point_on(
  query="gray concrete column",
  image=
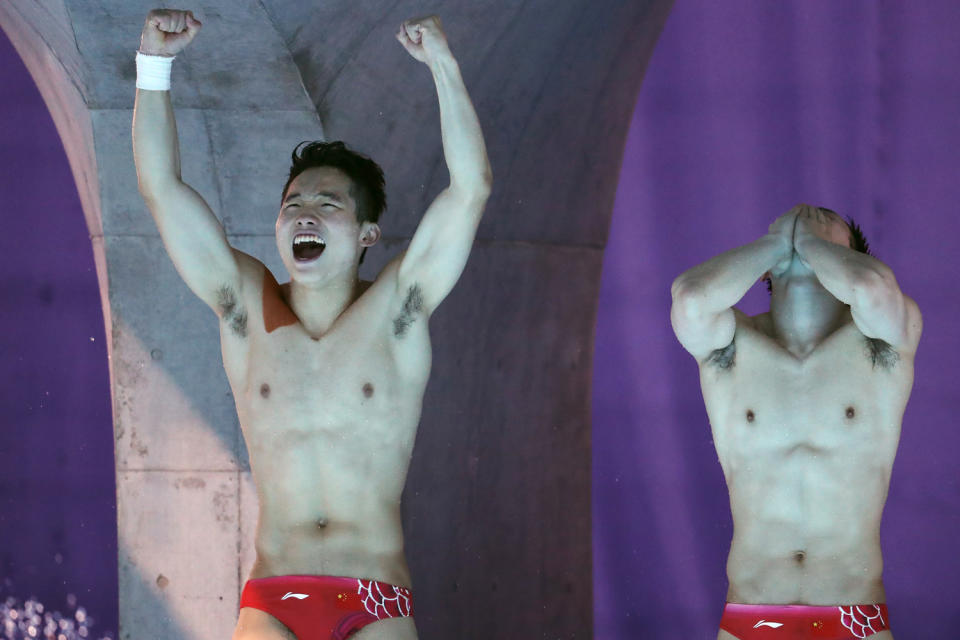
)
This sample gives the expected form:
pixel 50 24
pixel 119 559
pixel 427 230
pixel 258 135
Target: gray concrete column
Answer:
pixel 497 503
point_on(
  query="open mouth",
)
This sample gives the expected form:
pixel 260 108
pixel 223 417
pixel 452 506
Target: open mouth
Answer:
pixel 307 246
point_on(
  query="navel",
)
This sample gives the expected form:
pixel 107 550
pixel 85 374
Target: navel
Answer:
pixel 368 390
pixel 265 390
pixel 321 523
pixel 750 416
pixel 799 556
pixel 851 412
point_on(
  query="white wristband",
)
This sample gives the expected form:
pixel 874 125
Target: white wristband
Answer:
pixel 153 72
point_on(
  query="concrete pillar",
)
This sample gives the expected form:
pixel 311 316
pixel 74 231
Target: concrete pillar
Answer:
pixel 497 509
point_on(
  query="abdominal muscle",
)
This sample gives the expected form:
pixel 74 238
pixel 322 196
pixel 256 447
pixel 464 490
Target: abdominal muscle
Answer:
pixel 806 530
pixel 330 498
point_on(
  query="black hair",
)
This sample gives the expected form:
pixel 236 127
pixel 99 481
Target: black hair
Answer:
pixel 366 176
pixel 858 241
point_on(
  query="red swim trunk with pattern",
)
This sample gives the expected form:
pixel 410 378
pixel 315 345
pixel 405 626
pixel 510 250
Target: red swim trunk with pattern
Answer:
pixel 326 607
pixel 847 622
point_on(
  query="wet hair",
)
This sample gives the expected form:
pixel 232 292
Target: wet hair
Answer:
pixel 366 176
pixel 858 241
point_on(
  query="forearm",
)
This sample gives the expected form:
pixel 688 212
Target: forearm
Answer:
pixel 463 146
pixel 721 282
pixel 155 146
pixel 848 275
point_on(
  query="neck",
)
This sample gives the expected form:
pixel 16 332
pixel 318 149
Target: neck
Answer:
pixel 318 305
pixel 804 313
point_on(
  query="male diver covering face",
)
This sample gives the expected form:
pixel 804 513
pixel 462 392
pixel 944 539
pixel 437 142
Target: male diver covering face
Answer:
pixel 805 403
pixel 328 372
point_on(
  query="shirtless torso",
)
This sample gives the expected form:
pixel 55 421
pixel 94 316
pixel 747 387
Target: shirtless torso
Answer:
pixel 805 404
pixel 329 422
pixel 806 445
pixel 328 372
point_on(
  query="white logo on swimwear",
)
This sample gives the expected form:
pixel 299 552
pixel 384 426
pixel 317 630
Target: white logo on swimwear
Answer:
pixel 298 596
pixel 772 625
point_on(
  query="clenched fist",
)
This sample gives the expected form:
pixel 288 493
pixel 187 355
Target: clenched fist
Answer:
pixel 423 38
pixel 167 32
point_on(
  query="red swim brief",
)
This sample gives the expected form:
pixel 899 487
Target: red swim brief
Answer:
pixel 326 607
pixel 847 622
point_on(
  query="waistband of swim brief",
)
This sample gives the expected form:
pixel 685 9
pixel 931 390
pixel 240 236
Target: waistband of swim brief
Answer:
pixel 796 609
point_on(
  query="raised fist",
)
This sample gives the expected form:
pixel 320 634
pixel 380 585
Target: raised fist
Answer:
pixel 167 32
pixel 423 38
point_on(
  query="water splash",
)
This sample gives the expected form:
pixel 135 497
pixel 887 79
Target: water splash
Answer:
pixel 31 620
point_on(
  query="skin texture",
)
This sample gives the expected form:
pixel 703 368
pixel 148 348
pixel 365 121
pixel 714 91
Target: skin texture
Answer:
pixel 805 423
pixel 328 372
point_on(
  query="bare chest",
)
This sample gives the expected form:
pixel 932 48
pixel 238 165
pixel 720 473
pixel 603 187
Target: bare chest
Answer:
pixel 352 385
pixel 837 401
pixel 308 381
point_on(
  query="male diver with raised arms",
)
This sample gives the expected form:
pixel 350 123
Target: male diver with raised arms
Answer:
pixel 805 404
pixel 328 372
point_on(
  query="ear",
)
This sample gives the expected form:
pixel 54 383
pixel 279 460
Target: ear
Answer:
pixel 369 234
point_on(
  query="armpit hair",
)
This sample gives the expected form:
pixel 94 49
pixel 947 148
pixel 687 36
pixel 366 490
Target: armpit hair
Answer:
pixel 882 354
pixel 412 305
pixel 724 358
pixel 231 312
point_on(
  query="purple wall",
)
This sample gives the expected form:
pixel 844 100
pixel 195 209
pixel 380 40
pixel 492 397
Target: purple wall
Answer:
pixel 57 504
pixel 749 107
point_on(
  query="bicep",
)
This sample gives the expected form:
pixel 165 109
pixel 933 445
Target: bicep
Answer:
pixel 441 245
pixel 196 243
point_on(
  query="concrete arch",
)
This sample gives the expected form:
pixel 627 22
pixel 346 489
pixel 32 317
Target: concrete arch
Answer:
pixel 502 463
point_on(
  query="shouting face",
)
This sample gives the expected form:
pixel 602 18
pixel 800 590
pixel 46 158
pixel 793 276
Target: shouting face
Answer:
pixel 318 234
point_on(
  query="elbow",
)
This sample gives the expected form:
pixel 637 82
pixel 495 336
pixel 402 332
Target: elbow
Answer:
pixel 475 192
pixel 486 186
pixel 153 189
pixel 686 295
pixel 481 187
pixel 486 179
pixel 475 183
pixel 683 288
pixel 147 191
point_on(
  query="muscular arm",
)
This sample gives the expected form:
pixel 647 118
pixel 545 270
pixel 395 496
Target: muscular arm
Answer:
pixel 880 310
pixel 702 315
pixel 191 233
pixel 439 249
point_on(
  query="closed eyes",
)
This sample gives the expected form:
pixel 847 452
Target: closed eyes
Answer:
pixel 324 205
